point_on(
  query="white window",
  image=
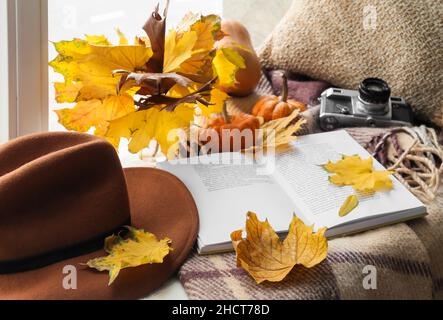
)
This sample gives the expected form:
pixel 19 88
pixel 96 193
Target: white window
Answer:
pixel 26 90
pixel 24 67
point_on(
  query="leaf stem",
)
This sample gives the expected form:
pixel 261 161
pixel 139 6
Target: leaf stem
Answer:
pixel 226 116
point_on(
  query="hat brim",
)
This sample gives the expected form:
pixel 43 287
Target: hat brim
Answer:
pixel 160 204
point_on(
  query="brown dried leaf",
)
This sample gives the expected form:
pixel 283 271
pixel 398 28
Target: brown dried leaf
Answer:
pixel 202 96
pixel 155 28
pixel 151 84
pixel 266 258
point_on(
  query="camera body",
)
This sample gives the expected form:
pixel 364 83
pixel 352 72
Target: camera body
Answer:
pixel 370 106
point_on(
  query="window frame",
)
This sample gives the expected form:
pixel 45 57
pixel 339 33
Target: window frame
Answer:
pixel 5 125
pixel 25 60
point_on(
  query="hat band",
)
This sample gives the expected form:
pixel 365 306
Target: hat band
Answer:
pixel 46 259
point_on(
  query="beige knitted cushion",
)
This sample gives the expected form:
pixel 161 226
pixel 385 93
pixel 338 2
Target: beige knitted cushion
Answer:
pixel 342 43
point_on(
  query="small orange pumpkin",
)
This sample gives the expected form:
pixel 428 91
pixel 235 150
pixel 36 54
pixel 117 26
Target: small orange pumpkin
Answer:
pixel 273 107
pixel 234 125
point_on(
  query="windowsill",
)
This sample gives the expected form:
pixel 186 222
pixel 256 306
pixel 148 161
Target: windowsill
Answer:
pixel 171 290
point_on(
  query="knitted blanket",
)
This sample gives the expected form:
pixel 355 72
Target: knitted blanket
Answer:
pixel 407 256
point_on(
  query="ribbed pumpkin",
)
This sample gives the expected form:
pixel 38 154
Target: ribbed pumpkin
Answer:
pixel 273 107
pixel 235 125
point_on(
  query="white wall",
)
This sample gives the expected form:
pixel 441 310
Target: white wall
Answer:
pixel 259 16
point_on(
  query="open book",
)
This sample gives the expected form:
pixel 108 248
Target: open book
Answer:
pixel 291 182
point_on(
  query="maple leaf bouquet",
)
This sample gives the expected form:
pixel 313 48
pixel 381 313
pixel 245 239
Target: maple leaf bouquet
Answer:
pixel 147 90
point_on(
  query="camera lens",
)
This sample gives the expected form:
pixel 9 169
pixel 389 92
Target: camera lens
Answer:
pixel 374 90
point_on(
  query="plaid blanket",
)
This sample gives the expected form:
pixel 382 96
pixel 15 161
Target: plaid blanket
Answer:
pixel 405 259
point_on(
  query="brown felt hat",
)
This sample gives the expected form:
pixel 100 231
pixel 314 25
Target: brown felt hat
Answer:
pixel 61 195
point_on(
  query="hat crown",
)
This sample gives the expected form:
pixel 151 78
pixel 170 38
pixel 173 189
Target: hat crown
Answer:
pixel 58 190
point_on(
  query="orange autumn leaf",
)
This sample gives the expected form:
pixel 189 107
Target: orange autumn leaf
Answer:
pixel 266 258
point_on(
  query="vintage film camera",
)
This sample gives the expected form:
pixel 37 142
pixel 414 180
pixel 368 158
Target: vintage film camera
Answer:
pixel 370 106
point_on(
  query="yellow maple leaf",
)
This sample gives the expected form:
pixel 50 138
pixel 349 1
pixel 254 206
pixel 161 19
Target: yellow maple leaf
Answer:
pixel 96 113
pixel 96 71
pixel 266 258
pixel 349 164
pixel 142 127
pixel 138 249
pixel 69 51
pixel 92 66
pixel 358 173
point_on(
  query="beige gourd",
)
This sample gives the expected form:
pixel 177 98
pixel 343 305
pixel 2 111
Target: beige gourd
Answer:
pixel 239 39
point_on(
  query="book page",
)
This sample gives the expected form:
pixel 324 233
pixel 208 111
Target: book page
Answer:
pixel 224 193
pixel 306 182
